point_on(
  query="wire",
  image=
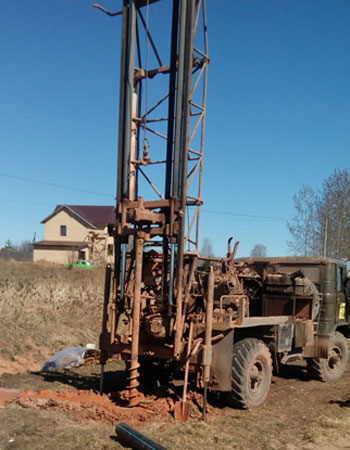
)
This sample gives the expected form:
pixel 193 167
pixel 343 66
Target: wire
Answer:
pixel 30 180
pixel 23 202
pixel 251 216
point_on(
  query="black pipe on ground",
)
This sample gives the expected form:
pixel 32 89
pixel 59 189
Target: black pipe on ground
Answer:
pixel 135 439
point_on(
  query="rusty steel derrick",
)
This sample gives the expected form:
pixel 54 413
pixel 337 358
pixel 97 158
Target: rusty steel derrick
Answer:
pixel 164 303
pixel 162 111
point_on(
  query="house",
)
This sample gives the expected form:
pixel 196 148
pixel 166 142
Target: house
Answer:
pixel 75 232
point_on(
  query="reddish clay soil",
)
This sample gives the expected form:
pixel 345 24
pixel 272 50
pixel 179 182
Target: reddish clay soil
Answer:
pixel 84 405
pixel 8 394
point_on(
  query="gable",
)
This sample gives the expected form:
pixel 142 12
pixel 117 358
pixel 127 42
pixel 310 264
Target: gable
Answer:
pixel 88 215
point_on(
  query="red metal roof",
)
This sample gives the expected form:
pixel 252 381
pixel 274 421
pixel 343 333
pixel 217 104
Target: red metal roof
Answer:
pixel 97 216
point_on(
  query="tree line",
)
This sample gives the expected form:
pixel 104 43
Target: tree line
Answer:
pixel 321 225
pixel 21 252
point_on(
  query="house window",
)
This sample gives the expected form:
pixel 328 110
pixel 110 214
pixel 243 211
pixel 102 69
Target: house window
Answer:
pixel 110 250
pixel 63 230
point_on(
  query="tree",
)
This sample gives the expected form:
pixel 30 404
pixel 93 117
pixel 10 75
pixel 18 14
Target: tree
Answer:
pixel 259 251
pixel 8 245
pixel 332 205
pixel 207 248
pixel 22 252
pixel 305 226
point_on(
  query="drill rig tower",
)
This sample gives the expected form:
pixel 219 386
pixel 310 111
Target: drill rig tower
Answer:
pixel 162 111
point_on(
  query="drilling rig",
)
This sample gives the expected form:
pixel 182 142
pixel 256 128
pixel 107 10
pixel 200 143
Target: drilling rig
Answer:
pixel 166 306
pixel 161 143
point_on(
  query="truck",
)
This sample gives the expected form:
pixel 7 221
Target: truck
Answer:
pixel 227 321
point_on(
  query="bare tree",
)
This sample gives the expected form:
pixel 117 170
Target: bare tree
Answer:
pixel 305 226
pixel 207 248
pixel 332 205
pixel 22 252
pixel 335 208
pixel 259 251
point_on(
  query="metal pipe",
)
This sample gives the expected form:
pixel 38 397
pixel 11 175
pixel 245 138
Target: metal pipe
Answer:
pixel 134 439
pixel 325 237
pixel 122 280
pixel 179 97
pixel 107 291
pixel 183 158
pixel 172 97
pixel 208 337
pixel 106 297
pixel 187 366
pixel 171 283
pixel 121 136
pixel 134 364
pixel 129 89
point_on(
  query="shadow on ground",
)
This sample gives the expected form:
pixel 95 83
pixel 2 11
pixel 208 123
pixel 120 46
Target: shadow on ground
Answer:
pixel 114 380
pixel 342 404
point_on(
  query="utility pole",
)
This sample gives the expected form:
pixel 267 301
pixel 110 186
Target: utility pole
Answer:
pixel 325 235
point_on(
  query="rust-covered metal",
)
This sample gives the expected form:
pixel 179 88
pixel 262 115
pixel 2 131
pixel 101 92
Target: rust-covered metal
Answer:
pixel 163 299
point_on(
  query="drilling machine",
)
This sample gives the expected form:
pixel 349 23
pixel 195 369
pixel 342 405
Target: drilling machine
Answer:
pixel 165 305
pixel 156 240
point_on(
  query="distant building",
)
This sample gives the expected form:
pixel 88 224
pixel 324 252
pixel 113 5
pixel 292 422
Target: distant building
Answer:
pixel 75 232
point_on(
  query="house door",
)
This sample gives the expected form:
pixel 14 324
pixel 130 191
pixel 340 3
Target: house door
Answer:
pixel 81 254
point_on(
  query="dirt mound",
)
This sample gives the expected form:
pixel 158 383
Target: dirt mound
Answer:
pixel 84 405
pixel 87 405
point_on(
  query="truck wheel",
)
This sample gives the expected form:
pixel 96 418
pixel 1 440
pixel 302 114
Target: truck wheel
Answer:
pixel 333 368
pixel 251 373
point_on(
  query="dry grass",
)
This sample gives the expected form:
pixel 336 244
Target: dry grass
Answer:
pixel 39 430
pixel 46 308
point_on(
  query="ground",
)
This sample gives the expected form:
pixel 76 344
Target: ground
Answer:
pixel 45 309
pixel 64 410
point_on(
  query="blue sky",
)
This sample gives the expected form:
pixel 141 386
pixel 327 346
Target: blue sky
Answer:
pixel 278 111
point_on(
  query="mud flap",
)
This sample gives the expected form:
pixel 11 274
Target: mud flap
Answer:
pixel 319 349
pixel 312 346
pixel 221 368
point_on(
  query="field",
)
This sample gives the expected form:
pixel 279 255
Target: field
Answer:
pixel 44 309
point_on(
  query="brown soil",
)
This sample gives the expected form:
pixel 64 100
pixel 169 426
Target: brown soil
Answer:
pixel 22 363
pixel 8 394
pixel 299 413
pixel 83 405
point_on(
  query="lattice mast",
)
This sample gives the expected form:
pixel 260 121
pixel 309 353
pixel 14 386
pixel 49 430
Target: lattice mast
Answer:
pixel 160 163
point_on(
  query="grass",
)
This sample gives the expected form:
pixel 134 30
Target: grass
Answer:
pixel 47 307
pixel 316 423
pixel 44 309
pixel 39 430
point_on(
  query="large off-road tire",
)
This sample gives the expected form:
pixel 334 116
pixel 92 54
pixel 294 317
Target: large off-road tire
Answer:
pixel 251 373
pixel 333 368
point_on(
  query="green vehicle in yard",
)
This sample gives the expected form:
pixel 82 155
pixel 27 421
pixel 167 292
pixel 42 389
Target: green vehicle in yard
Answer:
pixel 82 263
